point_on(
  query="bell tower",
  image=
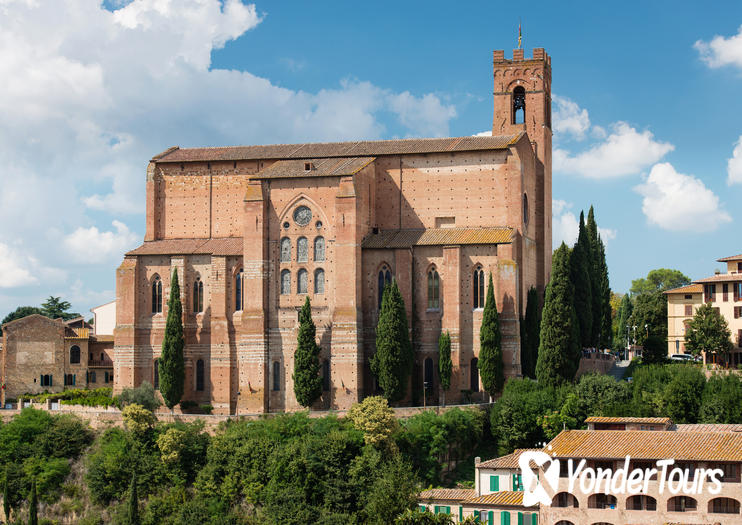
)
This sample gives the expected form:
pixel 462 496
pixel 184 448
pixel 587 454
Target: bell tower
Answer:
pixel 522 102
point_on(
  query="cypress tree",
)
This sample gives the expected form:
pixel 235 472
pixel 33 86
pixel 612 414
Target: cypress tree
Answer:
pixel 559 349
pixel 33 510
pixel 445 366
pixel 490 363
pixel 6 494
pixel 595 270
pixel 580 276
pixel 307 381
pixel 133 514
pixel 606 328
pixel 530 334
pixel 392 362
pixel 624 314
pixel 172 362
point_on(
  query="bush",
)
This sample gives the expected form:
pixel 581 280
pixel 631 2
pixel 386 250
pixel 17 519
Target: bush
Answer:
pixel 143 395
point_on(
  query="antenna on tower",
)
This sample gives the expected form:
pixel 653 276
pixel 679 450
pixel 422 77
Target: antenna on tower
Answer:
pixel 520 35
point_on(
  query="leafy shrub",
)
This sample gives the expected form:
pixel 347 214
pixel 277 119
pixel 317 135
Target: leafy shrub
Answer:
pixel 143 395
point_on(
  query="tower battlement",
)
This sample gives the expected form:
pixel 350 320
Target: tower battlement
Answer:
pixel 539 54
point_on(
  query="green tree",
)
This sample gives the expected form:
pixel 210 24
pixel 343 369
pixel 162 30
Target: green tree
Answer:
pixel 6 494
pixel 683 394
pixel 659 280
pixel 307 381
pixel 393 491
pixel 649 316
pixel 19 313
pixel 139 421
pixel 392 362
pixel 375 418
pixel 143 395
pixel 722 399
pixel 530 334
pixel 417 517
pixel 625 310
pixel 595 271
pixel 708 332
pixel 133 506
pixel 655 349
pixel 55 307
pixel 172 362
pixel 445 366
pixel 33 505
pixel 490 362
pixel 579 270
pixel 604 290
pixel 559 349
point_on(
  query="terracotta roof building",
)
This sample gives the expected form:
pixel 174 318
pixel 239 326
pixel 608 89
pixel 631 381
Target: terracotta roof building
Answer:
pixel 253 231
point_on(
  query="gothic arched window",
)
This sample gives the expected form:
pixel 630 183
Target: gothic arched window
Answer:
pixel 285 282
pixel 198 295
pixel 434 289
pixel 525 209
pixel 285 249
pixel 319 249
pixel 474 375
pixel 156 295
pixel 75 355
pixel 326 375
pixel 276 376
pixel 319 281
pixel 156 374
pixel 302 281
pixel 519 105
pixel 385 278
pixel 478 287
pixel 200 375
pixel 302 249
pixel 238 291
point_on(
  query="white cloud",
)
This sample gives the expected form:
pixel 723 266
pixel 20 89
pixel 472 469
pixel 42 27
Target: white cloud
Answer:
pixel 14 268
pixel 90 93
pixel 721 51
pixel 91 246
pixel 677 202
pixel 487 133
pixel 569 118
pixel 734 165
pixel 624 152
pixel 565 224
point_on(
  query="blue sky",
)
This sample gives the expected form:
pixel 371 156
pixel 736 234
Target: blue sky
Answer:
pixel 647 113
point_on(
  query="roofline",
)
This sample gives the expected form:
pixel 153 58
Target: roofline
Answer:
pixel 100 305
pixel 61 323
pixel 162 156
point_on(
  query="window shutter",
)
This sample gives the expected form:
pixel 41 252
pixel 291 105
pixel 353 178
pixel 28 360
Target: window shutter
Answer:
pixel 436 509
pixel 51 380
pixel 534 519
pixel 74 379
pixel 461 513
pixel 494 483
pixel 520 518
pixel 448 510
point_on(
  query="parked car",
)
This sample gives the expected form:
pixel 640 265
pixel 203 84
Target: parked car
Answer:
pixel 682 357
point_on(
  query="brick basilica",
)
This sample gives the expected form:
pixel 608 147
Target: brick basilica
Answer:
pixel 253 230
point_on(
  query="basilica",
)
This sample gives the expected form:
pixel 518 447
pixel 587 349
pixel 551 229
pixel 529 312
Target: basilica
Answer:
pixel 254 230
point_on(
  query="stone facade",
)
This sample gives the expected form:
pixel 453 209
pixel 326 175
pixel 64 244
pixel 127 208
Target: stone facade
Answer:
pixel 46 355
pixel 252 231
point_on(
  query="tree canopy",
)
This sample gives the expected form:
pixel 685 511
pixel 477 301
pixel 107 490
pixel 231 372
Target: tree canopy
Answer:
pixel 307 381
pixel 659 280
pixel 392 362
pixel 490 362
pixel 172 362
pixel 580 266
pixel 708 331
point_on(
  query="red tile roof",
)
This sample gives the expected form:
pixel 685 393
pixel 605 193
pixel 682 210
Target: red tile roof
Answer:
pixel 709 427
pixel 641 444
pixel 691 288
pixel 338 149
pixel 505 462
pixel 446 494
pixel 219 246
pixel 731 258
pixel 503 498
pixel 645 420
pixel 438 237
pixel 333 167
pixel 722 277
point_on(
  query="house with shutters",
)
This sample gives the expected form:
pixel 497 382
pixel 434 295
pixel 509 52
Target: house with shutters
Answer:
pixel 51 355
pixel 497 496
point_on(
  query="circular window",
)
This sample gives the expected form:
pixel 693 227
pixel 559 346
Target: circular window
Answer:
pixel 318 224
pixel 302 215
pixel 286 225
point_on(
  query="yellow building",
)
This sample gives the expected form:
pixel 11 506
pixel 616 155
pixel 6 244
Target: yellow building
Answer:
pixel 724 291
